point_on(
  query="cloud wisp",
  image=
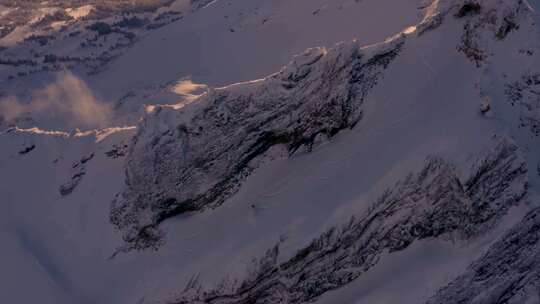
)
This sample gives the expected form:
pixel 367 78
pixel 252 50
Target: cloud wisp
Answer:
pixel 68 100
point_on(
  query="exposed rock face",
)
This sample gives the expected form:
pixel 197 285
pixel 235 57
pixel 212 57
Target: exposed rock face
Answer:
pixel 432 203
pixel 117 150
pixel 486 20
pixel 508 273
pixel 196 4
pixel 192 158
pixel 78 172
pixel 27 149
pixel 524 94
pixel 71 34
pixel 196 157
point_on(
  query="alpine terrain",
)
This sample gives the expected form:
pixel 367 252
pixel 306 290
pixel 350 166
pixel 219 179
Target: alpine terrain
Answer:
pixel 257 151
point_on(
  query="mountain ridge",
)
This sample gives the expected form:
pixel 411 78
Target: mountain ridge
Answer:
pixel 326 181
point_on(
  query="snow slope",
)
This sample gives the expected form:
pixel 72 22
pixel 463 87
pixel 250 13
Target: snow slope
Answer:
pixel 442 140
pixel 233 41
pixel 128 72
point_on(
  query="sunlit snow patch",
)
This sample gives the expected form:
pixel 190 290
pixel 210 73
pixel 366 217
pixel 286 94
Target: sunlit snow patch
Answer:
pixel 99 134
pixel 79 12
pixel 410 30
pixel 186 87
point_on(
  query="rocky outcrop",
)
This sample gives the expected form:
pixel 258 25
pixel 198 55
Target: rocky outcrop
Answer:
pixel 508 273
pixel 485 22
pixel 525 95
pixel 78 172
pixel 196 157
pixel 27 149
pixel 97 31
pixel 117 151
pixel 433 203
pixel 193 158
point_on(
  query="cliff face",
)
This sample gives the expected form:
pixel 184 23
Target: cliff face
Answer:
pixel 433 203
pixel 196 157
pixel 405 171
pixel 507 273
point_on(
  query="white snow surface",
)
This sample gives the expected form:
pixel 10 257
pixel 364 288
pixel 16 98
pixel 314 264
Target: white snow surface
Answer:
pixel 234 41
pixel 57 249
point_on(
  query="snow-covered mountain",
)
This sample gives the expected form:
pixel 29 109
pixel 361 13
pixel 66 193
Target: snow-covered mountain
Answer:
pixel 394 159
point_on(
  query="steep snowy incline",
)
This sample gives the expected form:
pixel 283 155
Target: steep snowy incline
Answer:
pixel 428 139
pixel 241 40
pixel 54 223
pixel 59 230
pixel 508 273
pixel 432 203
pixel 196 157
pixel 461 44
pixel 128 60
